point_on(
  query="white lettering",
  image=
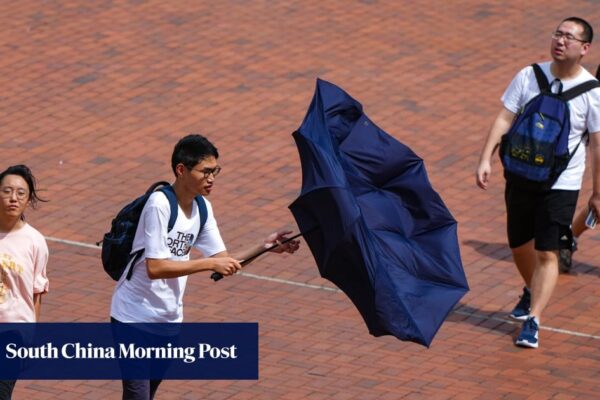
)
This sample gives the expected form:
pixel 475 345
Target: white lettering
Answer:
pixel 10 348
pixel 45 351
pixel 130 351
pixel 64 350
pixel 216 352
pixel 76 350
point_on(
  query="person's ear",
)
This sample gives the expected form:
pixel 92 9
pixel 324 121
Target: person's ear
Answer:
pixel 585 49
pixel 179 169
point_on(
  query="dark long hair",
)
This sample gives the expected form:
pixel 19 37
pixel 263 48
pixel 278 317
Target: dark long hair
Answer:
pixel 24 172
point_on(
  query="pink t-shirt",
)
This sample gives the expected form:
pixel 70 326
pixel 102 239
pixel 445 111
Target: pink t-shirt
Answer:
pixel 23 259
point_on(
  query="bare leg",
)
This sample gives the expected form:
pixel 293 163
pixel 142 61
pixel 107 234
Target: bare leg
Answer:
pixel 526 260
pixel 543 281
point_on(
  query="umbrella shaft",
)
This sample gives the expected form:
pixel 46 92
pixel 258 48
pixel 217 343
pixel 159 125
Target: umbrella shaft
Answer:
pixel 263 251
pixel 215 276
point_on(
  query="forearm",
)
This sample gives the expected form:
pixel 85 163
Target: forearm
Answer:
pixel 595 163
pixel 166 269
pixel 248 253
pixel 500 126
pixel 37 305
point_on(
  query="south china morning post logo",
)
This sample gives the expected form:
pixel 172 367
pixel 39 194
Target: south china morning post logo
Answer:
pixel 134 351
pixel 121 351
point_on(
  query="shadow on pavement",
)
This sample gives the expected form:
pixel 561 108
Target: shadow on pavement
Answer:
pixel 501 251
pixel 496 321
pixel 584 268
pixel 498 251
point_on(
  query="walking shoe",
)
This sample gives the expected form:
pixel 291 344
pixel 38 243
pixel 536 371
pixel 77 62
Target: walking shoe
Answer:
pixel 529 334
pixel 521 310
pixel 565 258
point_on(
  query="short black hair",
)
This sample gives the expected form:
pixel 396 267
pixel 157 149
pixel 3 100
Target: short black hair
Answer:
pixel 192 149
pixel 24 172
pixel 588 31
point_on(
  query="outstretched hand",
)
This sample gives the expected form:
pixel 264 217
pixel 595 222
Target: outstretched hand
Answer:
pixel 276 239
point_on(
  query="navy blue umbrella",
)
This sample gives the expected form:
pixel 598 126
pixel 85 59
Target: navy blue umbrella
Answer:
pixel 372 221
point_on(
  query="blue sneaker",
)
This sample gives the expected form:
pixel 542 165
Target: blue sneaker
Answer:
pixel 521 310
pixel 529 334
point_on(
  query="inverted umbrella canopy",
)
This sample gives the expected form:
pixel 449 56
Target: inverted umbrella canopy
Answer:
pixel 372 221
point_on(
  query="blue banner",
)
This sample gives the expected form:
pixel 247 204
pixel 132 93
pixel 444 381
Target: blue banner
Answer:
pixel 129 351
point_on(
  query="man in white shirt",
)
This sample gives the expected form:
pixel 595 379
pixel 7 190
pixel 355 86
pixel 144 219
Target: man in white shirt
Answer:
pixel 155 290
pixel 539 223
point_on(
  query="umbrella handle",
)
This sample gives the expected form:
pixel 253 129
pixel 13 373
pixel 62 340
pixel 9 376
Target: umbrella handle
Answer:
pixel 216 276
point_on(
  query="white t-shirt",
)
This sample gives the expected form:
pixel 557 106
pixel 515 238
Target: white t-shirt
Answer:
pixel 584 114
pixel 142 299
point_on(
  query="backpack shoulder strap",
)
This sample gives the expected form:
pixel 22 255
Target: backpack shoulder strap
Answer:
pixel 163 188
pixel 579 90
pixel 155 185
pixel 170 193
pixel 541 78
pixel 585 137
pixel 203 211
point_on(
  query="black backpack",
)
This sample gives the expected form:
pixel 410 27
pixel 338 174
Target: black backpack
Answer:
pixel 535 151
pixel 117 244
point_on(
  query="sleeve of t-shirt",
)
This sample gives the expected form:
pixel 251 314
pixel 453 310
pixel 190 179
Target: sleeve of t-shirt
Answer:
pixel 155 218
pixel 513 95
pixel 593 117
pixel 40 280
pixel 210 242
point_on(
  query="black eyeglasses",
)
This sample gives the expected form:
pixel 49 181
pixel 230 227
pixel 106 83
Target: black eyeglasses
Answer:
pixel 209 171
pixel 557 35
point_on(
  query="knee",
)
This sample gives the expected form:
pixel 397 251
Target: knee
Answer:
pixel 524 249
pixel 547 257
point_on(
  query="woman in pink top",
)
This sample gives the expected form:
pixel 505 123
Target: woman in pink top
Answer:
pixel 23 254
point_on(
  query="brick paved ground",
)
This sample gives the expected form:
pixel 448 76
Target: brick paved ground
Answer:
pixel 95 93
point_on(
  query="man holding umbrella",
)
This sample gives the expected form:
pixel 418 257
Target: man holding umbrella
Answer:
pixel 155 290
pixel 538 221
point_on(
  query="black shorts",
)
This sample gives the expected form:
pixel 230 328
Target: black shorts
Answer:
pixel 544 216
